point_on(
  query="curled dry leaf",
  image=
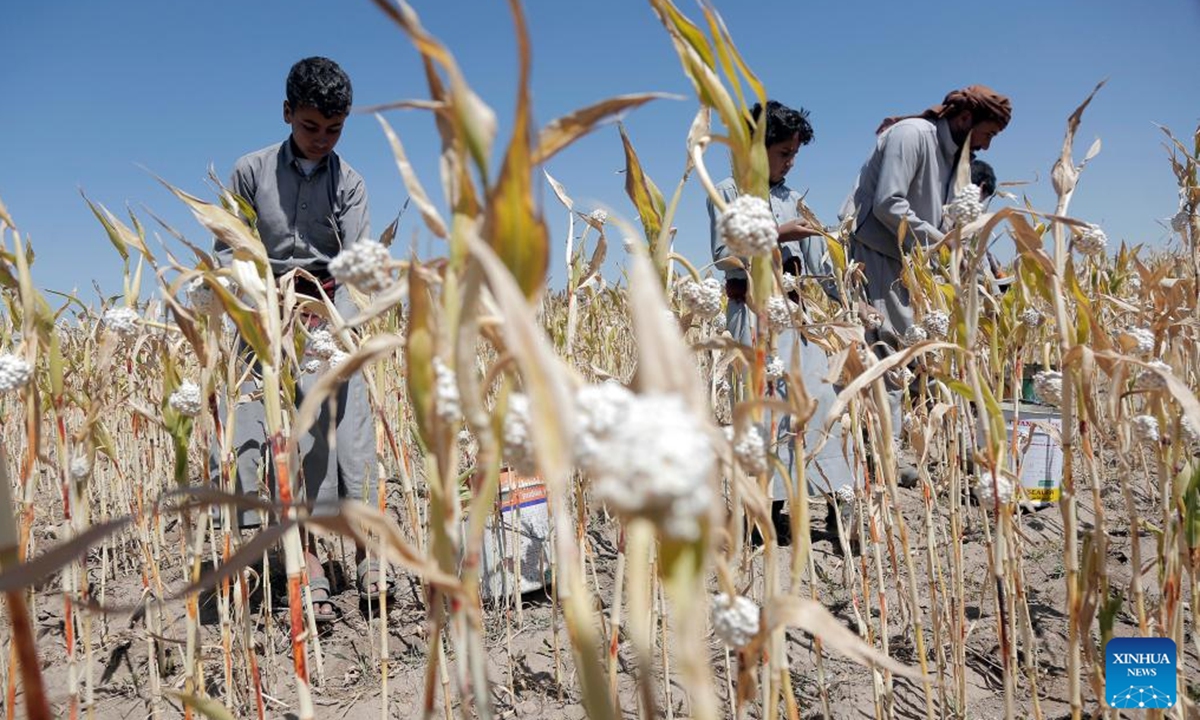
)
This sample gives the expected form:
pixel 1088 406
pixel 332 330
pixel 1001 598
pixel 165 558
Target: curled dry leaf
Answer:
pixel 812 617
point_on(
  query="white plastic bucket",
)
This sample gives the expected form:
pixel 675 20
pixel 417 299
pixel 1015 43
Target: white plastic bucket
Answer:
pixel 516 551
pixel 1035 449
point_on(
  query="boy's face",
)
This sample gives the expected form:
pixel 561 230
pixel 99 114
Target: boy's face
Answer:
pixel 315 134
pixel 781 156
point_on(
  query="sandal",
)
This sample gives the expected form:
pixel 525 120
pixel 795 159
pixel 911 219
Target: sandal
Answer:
pixel 324 611
pixel 365 580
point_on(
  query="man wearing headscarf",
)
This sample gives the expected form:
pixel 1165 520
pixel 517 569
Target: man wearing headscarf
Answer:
pixel 904 185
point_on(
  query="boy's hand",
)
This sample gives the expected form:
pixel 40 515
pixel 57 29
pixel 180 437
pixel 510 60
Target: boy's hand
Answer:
pixel 795 230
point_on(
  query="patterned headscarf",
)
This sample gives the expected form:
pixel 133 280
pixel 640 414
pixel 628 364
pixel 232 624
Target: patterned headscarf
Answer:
pixel 982 101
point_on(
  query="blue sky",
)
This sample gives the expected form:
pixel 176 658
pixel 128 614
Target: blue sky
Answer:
pixel 94 92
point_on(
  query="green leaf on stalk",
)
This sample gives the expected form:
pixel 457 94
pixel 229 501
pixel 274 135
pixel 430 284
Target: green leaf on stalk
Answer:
pixel 420 351
pixel 1083 319
pixel 646 196
pixel 468 122
pixel 1108 616
pixel 119 234
pixel 729 56
pixel 56 366
pixel 248 321
pixel 1191 504
pixel 227 227
pixel 512 225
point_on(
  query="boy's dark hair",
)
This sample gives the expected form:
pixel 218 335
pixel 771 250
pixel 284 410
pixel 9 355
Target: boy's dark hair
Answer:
pixel 783 122
pixel 321 83
pixel 984 176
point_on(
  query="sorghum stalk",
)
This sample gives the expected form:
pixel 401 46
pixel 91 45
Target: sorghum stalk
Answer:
pixel 1066 503
pixel 24 648
pixel 293 550
pixel 74 516
pixel 639 547
pixel 993 458
pixel 614 623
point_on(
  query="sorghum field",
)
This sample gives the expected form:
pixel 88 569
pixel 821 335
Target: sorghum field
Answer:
pixel 129 592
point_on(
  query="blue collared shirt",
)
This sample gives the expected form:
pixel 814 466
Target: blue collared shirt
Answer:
pixel 810 251
pixel 907 179
pixel 304 220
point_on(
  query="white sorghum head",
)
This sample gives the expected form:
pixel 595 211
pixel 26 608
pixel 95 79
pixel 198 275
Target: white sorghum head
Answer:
pixel 599 216
pixel 446 401
pixel 363 264
pixel 321 344
pixel 775 368
pixel 909 422
pixel 312 365
pixel 790 283
pixel 1190 433
pixel 600 409
pixel 781 313
pixel 987 493
pixel 121 320
pixel 518 435
pixel 81 466
pixel 186 400
pixel 468 448
pixel 750 450
pixel 937 324
pixel 1048 385
pixel 203 299
pixel 845 495
pixel 703 299
pixel 1091 241
pixel 1145 429
pixel 337 358
pixel 1144 339
pixel 14 372
pixel 1149 379
pixel 966 206
pixel 1031 317
pixel 748 227
pixel 1133 282
pixel 719 323
pixel 872 320
pixel 735 620
pixel 656 463
pixel 915 334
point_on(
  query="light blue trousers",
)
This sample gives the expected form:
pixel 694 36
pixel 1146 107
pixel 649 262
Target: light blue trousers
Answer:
pixel 329 469
pixel 829 469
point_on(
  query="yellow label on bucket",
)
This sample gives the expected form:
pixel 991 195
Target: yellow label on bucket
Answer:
pixel 1039 454
pixel 1043 494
